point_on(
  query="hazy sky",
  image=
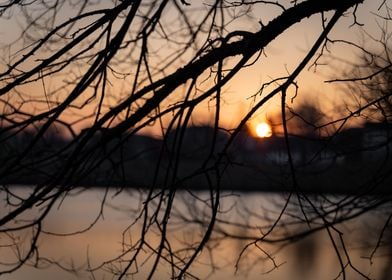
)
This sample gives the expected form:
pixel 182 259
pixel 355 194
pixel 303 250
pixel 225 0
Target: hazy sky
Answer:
pixel 281 57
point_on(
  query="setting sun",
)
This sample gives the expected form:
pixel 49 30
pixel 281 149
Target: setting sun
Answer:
pixel 263 130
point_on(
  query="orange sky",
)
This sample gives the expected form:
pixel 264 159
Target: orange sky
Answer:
pixel 282 56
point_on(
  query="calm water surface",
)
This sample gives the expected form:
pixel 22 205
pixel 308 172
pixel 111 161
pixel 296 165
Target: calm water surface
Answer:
pixel 311 258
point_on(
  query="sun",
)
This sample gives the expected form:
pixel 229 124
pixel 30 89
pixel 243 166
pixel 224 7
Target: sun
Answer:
pixel 263 130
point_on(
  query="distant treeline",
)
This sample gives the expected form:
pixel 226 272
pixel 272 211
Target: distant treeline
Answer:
pixel 356 159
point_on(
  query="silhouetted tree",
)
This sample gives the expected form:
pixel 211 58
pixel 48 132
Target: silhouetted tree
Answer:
pixel 115 68
pixel 371 80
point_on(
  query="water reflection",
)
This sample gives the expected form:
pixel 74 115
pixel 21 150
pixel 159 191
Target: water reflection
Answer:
pixel 242 219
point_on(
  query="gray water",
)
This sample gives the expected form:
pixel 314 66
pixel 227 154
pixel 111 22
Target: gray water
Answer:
pixel 242 214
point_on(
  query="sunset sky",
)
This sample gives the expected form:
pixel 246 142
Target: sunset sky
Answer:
pixel 195 139
pixel 281 57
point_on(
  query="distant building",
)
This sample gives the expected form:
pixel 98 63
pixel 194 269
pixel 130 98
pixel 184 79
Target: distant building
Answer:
pixel 377 140
pixel 370 142
pixel 273 150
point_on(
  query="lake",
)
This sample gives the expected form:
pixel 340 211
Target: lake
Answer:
pixel 242 218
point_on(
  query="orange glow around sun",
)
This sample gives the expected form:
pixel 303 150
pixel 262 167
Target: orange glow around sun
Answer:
pixel 263 130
